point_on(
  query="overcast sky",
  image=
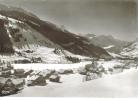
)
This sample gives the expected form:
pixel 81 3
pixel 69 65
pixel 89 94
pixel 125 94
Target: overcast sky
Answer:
pixel 111 17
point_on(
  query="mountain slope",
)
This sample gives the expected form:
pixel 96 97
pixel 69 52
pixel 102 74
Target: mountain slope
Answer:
pixel 63 38
pixel 106 41
pixel 131 50
pixel 5 43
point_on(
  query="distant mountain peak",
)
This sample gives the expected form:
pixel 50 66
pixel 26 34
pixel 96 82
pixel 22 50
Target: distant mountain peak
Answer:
pixel 106 41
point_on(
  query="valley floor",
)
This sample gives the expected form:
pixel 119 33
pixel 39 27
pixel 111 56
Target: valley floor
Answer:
pixel 119 85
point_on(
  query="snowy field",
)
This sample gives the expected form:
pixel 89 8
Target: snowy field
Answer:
pixel 119 85
pixel 50 66
pixel 39 66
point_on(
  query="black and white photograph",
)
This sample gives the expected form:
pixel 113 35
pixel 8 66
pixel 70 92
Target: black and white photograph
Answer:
pixel 69 48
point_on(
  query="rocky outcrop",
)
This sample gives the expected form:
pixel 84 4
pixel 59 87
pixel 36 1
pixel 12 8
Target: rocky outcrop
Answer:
pixel 10 86
pixel 47 73
pixel 19 73
pixel 10 80
pixel 54 78
pixel 38 80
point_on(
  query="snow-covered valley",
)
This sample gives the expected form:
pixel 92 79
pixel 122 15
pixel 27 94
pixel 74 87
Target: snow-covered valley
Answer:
pixel 118 85
pixel 40 58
